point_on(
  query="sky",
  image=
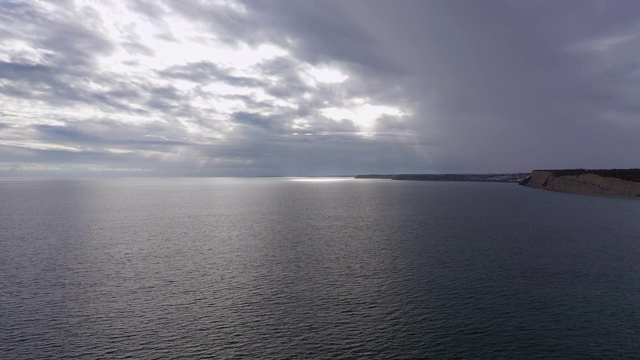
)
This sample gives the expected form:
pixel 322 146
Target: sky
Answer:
pixel 317 88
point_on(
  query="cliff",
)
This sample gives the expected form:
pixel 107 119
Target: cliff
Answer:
pixel 623 183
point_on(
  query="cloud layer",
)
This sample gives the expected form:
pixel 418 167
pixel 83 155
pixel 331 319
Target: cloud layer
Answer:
pixel 316 87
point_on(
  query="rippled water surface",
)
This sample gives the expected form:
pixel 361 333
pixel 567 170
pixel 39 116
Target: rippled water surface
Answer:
pixel 277 268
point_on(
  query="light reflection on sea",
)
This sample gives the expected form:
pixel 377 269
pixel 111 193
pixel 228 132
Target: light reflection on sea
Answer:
pixel 215 268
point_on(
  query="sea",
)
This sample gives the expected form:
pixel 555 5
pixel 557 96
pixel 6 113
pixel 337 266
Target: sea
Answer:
pixel 314 268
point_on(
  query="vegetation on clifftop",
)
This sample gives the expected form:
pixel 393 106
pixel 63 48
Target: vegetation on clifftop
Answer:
pixel 622 174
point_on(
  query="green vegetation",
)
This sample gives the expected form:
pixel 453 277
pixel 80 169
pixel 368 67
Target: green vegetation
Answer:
pixel 623 174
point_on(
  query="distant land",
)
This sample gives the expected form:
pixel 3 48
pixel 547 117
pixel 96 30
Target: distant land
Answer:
pixel 508 178
pixel 609 182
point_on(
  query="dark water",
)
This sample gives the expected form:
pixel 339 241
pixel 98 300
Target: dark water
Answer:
pixel 274 268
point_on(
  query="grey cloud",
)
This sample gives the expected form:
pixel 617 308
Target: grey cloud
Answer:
pixel 321 30
pixel 17 71
pixel 324 32
pixel 110 133
pixel 137 48
pixel 72 44
pixel 390 124
pixel 229 25
pixel 207 72
pixel 54 85
pixel 341 126
pixel 492 82
pixel 57 133
pixel 307 156
pixel 254 120
pixel 153 10
pixel 289 83
pixel 164 98
pixel 196 72
pixel 488 86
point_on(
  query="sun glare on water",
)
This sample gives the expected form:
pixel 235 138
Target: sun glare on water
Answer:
pixel 321 179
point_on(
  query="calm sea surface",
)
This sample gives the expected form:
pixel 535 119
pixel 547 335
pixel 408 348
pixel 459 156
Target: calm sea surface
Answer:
pixel 278 268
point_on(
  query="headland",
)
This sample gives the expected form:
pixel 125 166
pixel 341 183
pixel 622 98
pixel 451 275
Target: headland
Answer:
pixel 607 182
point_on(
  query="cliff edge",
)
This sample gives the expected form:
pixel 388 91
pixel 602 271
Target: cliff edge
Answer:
pixel 622 183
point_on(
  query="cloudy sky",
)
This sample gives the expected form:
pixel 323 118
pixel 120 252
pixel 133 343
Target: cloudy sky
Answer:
pixel 308 88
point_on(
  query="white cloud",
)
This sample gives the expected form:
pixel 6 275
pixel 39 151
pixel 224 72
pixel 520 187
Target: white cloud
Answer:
pixel 325 74
pixel 108 78
pixel 363 114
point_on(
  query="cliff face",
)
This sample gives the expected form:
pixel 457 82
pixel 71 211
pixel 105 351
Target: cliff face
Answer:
pixel 591 184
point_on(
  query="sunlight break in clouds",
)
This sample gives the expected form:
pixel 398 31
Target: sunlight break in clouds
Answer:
pixel 325 74
pixel 363 114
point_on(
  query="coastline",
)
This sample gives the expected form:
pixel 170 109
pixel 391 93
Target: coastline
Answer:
pixel 624 183
pixel 503 177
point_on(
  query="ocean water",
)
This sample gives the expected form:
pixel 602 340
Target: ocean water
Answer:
pixel 283 268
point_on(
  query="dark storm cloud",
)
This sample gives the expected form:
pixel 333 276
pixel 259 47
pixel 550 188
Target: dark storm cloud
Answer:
pixel 318 30
pixel 323 32
pixel 504 85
